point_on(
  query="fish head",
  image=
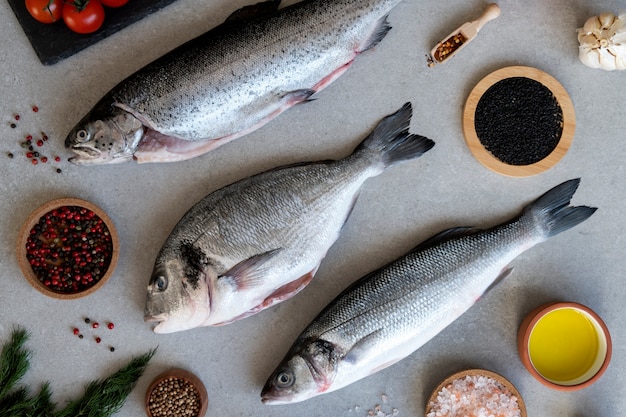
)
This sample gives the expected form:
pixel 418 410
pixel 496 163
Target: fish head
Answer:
pixel 177 297
pixel 106 135
pixel 308 370
pixel 291 382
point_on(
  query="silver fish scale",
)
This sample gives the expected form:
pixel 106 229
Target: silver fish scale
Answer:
pixel 281 209
pixel 398 301
pixel 227 81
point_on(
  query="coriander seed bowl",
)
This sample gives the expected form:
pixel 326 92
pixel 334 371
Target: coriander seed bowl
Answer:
pixel 67 248
pixel 176 392
pixel 566 346
pixel 475 392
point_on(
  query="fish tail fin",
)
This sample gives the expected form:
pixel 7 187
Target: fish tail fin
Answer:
pixel 553 211
pixel 392 141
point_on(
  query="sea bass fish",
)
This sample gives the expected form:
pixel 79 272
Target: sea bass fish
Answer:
pixel 228 82
pixel 259 241
pixel 388 314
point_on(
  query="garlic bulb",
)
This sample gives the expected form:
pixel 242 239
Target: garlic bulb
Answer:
pixel 603 42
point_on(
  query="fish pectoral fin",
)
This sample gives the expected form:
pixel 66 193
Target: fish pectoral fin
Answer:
pixel 379 33
pixel 298 96
pixel 288 290
pixel 362 347
pixel 250 272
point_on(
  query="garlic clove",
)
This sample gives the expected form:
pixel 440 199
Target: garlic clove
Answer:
pixel 606 20
pixel 589 58
pixel 589 41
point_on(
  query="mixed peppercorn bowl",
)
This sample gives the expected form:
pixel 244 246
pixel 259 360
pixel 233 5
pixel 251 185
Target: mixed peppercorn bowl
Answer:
pixel 67 248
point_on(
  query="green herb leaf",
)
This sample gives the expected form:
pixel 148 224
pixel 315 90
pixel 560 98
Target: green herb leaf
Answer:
pixel 14 361
pixel 103 398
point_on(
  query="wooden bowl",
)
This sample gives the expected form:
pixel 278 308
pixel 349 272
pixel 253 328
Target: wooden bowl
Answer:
pixel 485 157
pixel 475 373
pixel 38 282
pixel 185 376
pixel 573 359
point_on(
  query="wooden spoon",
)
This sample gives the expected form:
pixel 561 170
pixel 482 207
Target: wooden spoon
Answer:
pixel 457 40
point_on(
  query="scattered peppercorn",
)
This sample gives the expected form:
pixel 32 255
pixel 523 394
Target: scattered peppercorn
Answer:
pixel 110 326
pixel 57 158
pixel 10 155
pixel 519 121
pixel 76 331
pixel 59 170
pixel 112 349
pixel 87 320
pixel 174 397
pixel 16 117
pixel 80 336
pixel 44 159
pixel 13 125
pixel 98 340
pixel 34 161
pixel 95 325
pixel 35 109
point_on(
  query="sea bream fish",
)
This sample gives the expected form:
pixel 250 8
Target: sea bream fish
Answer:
pixel 391 312
pixel 259 241
pixel 228 82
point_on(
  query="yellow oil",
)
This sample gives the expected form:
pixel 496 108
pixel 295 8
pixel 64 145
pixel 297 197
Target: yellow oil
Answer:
pixel 563 345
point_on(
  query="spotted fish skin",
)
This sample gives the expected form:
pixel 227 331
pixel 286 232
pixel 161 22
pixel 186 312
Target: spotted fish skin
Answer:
pixel 229 81
pixel 260 240
pixel 388 314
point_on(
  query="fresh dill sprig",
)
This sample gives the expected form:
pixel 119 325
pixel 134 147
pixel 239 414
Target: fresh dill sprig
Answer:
pixel 18 403
pixel 105 397
pixel 102 398
pixel 14 361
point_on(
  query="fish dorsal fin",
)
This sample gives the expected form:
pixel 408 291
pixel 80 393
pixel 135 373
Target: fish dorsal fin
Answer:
pixel 252 11
pixel 250 272
pixel 448 234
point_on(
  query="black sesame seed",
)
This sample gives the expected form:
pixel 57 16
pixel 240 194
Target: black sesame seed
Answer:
pixel 519 121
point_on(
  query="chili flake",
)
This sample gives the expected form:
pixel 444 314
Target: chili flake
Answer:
pixel 449 46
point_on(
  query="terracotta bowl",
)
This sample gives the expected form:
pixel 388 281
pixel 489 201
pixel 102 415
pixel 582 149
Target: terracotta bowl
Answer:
pixel 474 373
pixel 556 355
pixel 180 375
pixel 23 254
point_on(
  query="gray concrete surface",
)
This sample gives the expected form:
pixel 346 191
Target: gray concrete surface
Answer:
pixel 405 205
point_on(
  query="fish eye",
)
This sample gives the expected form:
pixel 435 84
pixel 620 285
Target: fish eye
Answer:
pixel 285 379
pixel 161 283
pixel 82 135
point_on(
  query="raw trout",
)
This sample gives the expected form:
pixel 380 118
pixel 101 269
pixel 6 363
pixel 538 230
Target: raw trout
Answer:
pixel 228 82
pixel 388 314
pixel 259 241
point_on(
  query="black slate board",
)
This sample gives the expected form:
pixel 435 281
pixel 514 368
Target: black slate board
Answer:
pixel 55 42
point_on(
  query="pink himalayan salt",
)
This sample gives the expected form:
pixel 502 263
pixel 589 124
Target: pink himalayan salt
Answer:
pixel 474 396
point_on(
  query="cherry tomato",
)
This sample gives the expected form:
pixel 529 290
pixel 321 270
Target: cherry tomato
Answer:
pixel 114 3
pixel 83 16
pixel 45 11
